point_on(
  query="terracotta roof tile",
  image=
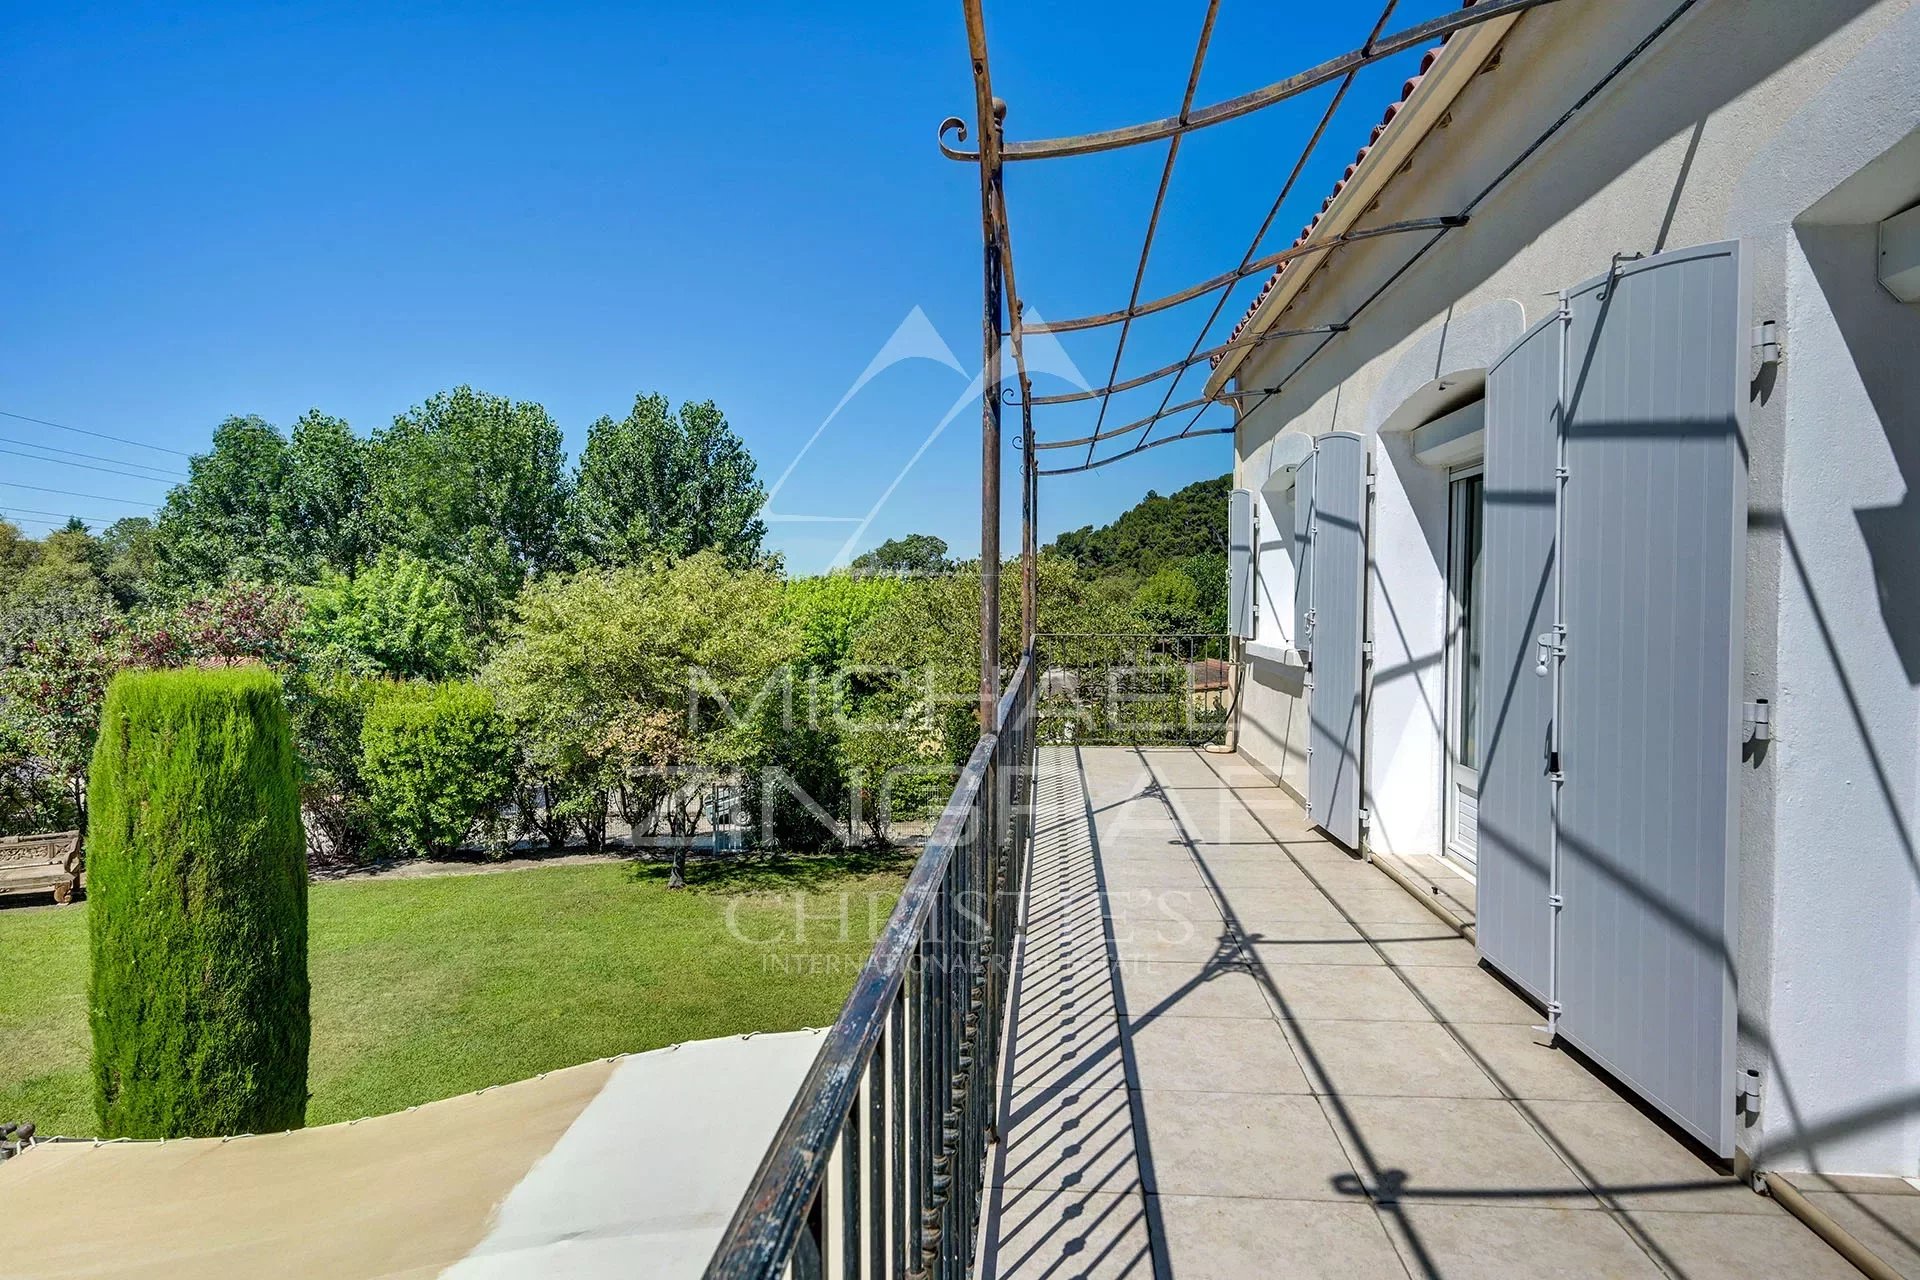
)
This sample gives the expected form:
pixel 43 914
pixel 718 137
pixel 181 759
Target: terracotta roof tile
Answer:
pixel 1393 109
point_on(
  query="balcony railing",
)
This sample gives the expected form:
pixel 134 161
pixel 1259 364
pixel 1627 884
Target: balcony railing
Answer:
pixel 1134 688
pixel 878 1167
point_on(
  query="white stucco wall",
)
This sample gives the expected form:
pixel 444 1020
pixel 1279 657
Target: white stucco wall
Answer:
pixel 1741 120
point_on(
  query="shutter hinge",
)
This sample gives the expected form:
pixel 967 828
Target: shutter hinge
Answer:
pixel 1556 901
pixel 1746 1091
pixel 1553 766
pixel 1366 817
pixel 1552 644
pixel 1766 342
pixel 1756 720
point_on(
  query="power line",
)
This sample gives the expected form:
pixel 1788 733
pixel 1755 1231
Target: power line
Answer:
pixel 68 493
pixel 97 457
pixel 86 466
pixel 99 435
pixel 10 511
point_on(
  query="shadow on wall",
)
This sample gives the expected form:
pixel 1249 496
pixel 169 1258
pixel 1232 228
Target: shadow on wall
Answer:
pixel 1882 334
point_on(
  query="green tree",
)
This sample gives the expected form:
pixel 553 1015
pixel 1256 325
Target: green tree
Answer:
pixel 662 483
pixel 69 566
pixel 323 506
pixel 1156 531
pixel 474 483
pixel 224 522
pixel 917 553
pixel 1168 602
pixel 438 763
pixel 131 547
pixel 646 676
pixel 197 875
pixel 57 654
pixel 17 555
pixel 400 617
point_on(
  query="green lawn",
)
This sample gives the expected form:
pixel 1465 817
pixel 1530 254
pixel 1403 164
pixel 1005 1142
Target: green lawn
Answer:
pixel 426 988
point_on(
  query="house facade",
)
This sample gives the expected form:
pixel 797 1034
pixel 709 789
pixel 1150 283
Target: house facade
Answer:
pixel 1586 546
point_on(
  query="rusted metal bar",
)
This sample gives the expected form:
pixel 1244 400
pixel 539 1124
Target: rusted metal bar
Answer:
pixel 1259 267
pixel 988 112
pixel 1029 501
pixel 1159 203
pixel 1101 462
pixel 1266 223
pixel 1125 429
pixel 1247 103
pixel 1197 357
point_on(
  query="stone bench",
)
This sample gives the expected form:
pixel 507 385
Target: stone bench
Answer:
pixel 38 864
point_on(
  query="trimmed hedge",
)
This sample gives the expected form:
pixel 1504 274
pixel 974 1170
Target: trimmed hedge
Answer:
pixel 197 876
pixel 437 760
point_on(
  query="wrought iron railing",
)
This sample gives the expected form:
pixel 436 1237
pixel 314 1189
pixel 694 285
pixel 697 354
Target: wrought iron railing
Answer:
pixel 1134 688
pixel 878 1168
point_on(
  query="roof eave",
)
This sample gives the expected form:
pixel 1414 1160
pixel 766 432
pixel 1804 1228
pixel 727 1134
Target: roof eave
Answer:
pixel 1458 61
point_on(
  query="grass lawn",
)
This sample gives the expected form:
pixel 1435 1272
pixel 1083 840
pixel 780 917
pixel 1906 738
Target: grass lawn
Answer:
pixel 426 988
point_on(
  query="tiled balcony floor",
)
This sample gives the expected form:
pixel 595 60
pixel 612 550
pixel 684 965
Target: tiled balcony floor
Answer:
pixel 1237 1051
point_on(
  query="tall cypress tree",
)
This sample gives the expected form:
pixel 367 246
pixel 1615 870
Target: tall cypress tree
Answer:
pixel 197 877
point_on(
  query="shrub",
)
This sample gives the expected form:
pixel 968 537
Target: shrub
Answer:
pixel 436 760
pixel 198 877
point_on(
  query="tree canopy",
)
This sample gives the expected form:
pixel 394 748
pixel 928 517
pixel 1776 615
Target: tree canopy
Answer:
pixel 917 553
pixel 660 483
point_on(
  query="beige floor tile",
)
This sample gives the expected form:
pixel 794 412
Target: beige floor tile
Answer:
pixel 1230 867
pixel 1311 942
pixel 1738 1246
pixel 1387 1059
pixel 1389 905
pixel 1525 1069
pixel 1422 943
pixel 1220 1238
pixel 1515 1243
pixel 1279 903
pixel 1158 873
pixel 1469 995
pixel 1154 906
pixel 1372 993
pixel 1853 1184
pixel 1035 1232
pixel 1889 1225
pixel 1454 1151
pixel 1079 1140
pixel 1636 1164
pixel 1175 989
pixel 1236 1144
pixel 1177 943
pixel 1214 1055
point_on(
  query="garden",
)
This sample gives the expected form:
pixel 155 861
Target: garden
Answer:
pixel 337 658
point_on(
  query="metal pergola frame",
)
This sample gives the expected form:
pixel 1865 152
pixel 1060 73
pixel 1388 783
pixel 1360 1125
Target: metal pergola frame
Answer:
pixel 994 152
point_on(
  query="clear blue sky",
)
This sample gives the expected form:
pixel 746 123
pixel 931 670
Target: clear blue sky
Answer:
pixel 218 209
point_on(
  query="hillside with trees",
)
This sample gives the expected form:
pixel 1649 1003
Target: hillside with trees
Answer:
pixel 1168 554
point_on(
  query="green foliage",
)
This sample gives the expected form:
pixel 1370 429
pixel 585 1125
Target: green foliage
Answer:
pixel 56 656
pixel 830 610
pixel 322 510
pixel 649 671
pixel 197 879
pixel 917 553
pixel 329 708
pixel 1155 532
pixel 223 524
pixel 658 483
pixel 398 617
pixel 1168 602
pixel 130 549
pixel 437 761
pixel 476 484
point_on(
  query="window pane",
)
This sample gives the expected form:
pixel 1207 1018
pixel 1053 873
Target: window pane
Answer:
pixel 1469 492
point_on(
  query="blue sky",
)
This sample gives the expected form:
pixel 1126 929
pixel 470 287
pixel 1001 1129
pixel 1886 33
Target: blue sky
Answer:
pixel 219 209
